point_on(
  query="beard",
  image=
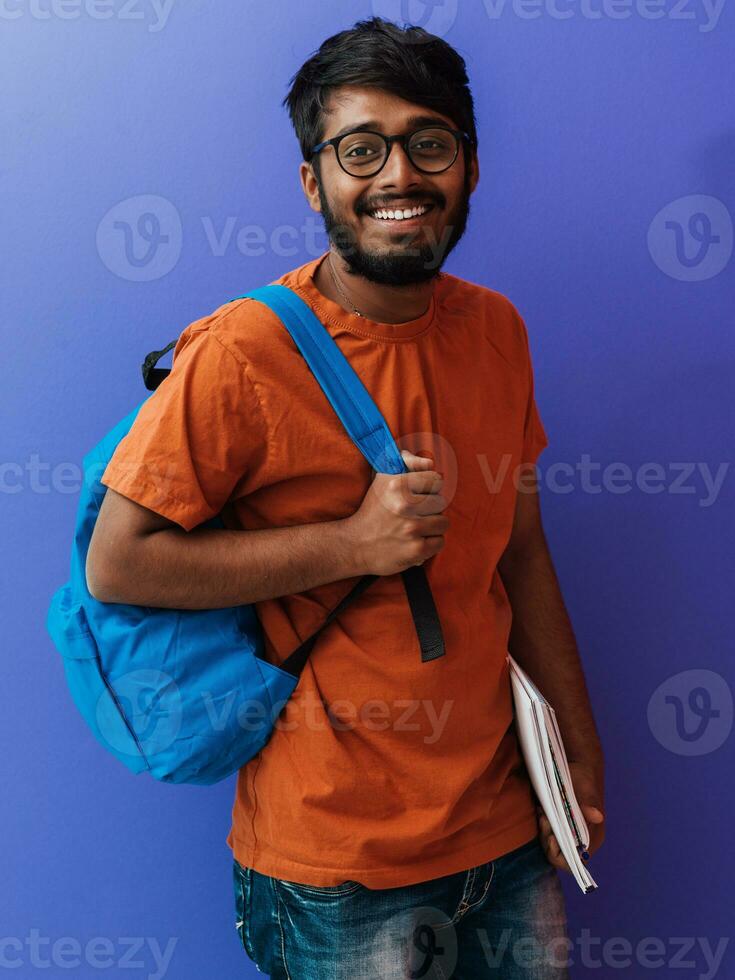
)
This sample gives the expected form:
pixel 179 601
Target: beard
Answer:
pixel 401 264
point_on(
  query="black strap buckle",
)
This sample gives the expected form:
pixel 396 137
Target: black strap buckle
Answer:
pixel 153 376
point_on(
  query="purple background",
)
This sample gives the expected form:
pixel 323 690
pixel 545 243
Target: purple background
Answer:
pixel 588 127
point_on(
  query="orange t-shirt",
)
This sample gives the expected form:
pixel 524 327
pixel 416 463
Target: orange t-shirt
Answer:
pixel 381 768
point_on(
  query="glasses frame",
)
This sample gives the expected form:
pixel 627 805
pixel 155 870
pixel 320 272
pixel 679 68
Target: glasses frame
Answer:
pixel 403 139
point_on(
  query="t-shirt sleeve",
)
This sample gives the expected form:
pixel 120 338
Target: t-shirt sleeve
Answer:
pixel 196 438
pixel 534 435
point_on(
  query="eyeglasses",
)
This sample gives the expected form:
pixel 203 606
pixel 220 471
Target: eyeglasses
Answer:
pixel 363 153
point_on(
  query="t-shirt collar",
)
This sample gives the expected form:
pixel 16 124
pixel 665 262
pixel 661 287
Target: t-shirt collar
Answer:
pixel 330 311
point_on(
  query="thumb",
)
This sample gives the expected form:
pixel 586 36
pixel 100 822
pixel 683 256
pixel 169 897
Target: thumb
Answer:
pixel 592 813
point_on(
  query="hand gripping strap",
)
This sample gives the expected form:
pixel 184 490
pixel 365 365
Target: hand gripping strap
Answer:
pixel 369 431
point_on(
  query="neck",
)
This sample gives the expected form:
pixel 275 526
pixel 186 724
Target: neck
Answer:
pixel 383 304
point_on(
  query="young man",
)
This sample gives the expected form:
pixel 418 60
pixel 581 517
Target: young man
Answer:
pixel 388 828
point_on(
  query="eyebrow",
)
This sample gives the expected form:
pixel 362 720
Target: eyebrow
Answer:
pixel 374 124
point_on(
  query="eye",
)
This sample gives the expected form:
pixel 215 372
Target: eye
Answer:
pixel 359 148
pixel 358 151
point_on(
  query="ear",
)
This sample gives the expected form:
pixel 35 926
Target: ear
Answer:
pixel 474 165
pixel 309 185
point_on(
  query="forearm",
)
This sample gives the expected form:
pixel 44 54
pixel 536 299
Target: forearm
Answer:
pixel 542 641
pixel 209 568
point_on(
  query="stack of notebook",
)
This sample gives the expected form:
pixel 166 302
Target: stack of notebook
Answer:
pixel 546 761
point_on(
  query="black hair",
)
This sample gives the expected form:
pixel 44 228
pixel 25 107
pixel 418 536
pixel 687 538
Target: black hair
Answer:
pixel 405 61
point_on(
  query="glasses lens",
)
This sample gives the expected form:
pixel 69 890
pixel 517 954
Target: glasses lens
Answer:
pixel 430 150
pixel 361 153
pixel 433 149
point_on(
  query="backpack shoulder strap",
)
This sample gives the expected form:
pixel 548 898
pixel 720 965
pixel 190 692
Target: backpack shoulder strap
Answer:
pixel 342 386
pixel 369 431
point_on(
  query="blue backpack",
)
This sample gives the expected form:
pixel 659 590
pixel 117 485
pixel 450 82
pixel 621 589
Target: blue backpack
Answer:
pixel 186 695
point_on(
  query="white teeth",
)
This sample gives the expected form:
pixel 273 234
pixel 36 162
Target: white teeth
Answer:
pixel 400 214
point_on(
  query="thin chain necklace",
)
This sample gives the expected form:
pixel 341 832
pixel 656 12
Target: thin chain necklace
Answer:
pixel 339 288
pixel 341 291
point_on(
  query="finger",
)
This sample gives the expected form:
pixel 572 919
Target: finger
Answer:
pixel 427 481
pixel 415 462
pixel 555 856
pixel 428 505
pixel 551 857
pixel 418 466
pixel 560 863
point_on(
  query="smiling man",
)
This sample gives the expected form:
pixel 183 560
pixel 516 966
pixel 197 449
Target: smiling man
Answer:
pixel 388 828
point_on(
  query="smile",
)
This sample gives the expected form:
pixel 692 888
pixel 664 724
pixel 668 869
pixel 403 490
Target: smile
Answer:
pixel 400 214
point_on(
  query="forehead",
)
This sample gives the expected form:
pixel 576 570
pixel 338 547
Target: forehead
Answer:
pixel 354 105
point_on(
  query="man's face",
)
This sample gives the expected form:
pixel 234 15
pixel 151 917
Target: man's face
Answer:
pixel 389 251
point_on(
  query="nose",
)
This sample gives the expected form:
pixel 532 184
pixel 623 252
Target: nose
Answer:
pixel 398 171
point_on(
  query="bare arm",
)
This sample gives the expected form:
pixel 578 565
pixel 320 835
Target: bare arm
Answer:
pixel 136 556
pixel 543 643
pixel 542 639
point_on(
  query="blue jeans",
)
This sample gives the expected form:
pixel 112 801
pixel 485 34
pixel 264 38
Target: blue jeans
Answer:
pixel 503 919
